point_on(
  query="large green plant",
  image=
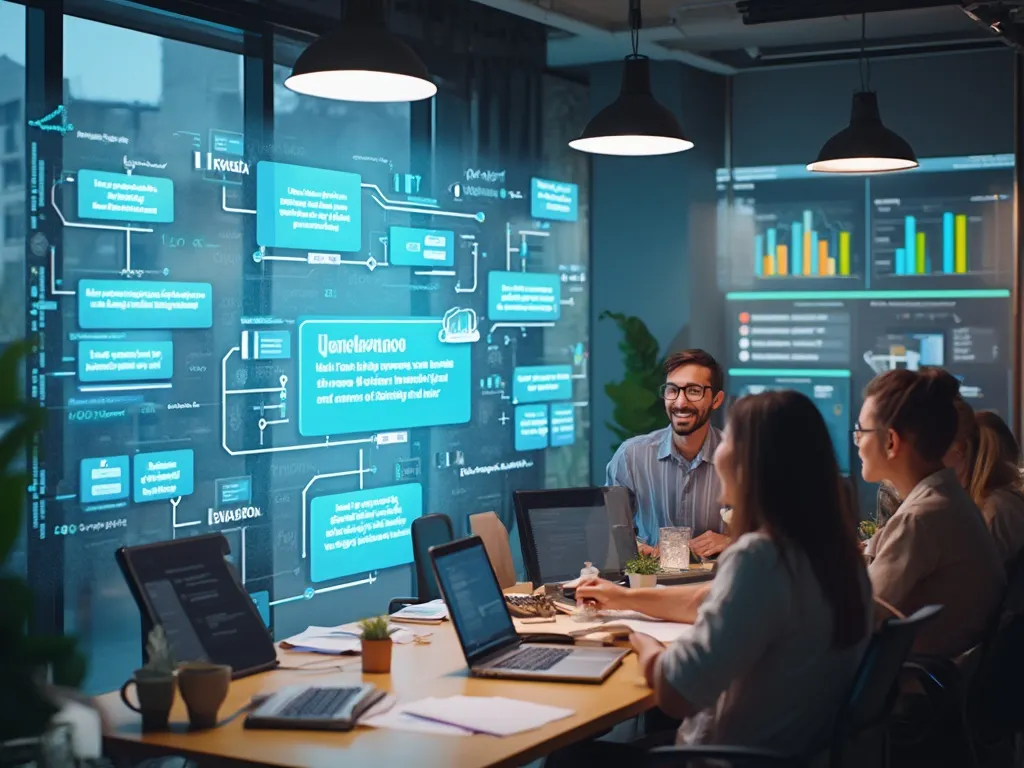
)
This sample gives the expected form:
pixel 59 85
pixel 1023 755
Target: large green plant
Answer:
pixel 638 409
pixel 28 662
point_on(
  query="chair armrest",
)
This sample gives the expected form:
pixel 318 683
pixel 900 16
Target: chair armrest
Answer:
pixel 398 603
pixel 741 757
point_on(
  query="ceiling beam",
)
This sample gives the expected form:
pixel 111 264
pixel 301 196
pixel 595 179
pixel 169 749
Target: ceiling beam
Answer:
pixel 592 44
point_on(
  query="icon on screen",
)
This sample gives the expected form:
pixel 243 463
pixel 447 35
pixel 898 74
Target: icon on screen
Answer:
pixel 459 326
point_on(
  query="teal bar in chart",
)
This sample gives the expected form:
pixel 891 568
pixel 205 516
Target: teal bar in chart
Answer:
pixel 947 243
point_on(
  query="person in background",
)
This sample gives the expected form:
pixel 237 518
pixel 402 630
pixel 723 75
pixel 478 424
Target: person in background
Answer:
pixel 671 470
pixel 779 635
pixel 985 457
pixel 935 548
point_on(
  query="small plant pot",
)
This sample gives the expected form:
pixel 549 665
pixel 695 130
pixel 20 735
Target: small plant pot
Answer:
pixel 638 580
pixel 377 656
pixel 155 692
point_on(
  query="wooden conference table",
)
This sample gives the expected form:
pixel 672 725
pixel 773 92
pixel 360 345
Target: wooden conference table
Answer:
pixel 418 671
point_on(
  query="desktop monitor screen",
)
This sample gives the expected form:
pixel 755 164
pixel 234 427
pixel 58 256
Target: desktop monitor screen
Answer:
pixel 475 603
pixel 561 530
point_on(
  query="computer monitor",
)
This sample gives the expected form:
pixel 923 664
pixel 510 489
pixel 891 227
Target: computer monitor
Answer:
pixel 476 605
pixel 562 529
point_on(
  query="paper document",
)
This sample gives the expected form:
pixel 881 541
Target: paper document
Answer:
pixel 323 640
pixel 494 715
pixel 662 631
pixel 433 612
pixel 387 714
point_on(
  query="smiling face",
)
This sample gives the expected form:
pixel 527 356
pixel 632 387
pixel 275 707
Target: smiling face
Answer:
pixel 686 416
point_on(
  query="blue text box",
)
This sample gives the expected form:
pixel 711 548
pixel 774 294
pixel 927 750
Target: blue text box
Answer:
pixel 369 375
pixel 362 531
pixel 540 383
pixel 556 200
pixel 310 209
pixel 125 360
pixel 103 479
pixel 262 602
pixel 525 296
pixel 139 304
pixel 163 475
pixel 531 427
pixel 120 197
pixel 233 490
pixel 562 424
pixel 266 345
pixel 413 247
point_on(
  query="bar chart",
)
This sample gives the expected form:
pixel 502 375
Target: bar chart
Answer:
pixel 915 257
pixel 812 244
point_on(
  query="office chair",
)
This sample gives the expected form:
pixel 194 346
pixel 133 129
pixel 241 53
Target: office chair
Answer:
pixel 860 732
pixel 427 531
pixel 492 531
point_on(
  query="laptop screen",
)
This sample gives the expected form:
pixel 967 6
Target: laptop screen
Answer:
pixel 569 527
pixel 475 603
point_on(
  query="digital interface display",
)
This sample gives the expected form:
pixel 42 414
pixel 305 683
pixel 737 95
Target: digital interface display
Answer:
pixel 301 331
pixel 830 281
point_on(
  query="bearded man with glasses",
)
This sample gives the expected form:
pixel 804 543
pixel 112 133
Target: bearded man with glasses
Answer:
pixel 671 471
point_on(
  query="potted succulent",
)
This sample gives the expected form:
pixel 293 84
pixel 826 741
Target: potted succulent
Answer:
pixel 376 644
pixel 642 571
pixel 154 683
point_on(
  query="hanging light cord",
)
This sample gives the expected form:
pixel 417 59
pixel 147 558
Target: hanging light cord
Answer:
pixel 865 62
pixel 635 22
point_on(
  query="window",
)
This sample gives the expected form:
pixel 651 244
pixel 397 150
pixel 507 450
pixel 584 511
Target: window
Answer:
pixel 10 112
pixel 14 224
pixel 13 177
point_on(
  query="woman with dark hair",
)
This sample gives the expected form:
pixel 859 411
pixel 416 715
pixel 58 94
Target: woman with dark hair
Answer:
pixel 935 548
pixel 779 633
pixel 986 458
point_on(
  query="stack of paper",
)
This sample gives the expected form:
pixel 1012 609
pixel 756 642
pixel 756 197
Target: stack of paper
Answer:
pixel 662 631
pixel 344 639
pixel 433 612
pixel 494 715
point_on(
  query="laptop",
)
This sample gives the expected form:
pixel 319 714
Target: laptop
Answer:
pixel 314 707
pixel 476 606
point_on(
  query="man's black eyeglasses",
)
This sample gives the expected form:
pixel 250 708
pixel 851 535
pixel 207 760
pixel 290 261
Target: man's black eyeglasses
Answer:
pixel 694 392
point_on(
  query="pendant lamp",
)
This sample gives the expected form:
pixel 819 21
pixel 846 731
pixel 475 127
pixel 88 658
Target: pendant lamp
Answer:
pixel 866 145
pixel 635 123
pixel 361 61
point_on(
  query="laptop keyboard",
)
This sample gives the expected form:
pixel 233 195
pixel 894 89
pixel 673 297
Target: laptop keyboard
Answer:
pixel 318 702
pixel 534 659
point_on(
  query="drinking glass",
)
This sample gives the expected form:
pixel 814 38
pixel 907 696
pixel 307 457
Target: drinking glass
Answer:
pixel 674 545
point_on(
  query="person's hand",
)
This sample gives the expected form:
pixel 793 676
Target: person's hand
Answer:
pixel 647 650
pixel 647 549
pixel 602 594
pixel 709 543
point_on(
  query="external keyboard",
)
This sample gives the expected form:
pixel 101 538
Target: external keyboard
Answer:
pixel 318 702
pixel 534 659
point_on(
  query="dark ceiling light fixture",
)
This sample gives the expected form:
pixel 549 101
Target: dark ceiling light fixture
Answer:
pixel 866 145
pixel 361 61
pixel 635 124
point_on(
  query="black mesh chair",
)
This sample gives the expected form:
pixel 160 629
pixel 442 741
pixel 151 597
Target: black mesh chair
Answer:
pixel 427 531
pixel 860 734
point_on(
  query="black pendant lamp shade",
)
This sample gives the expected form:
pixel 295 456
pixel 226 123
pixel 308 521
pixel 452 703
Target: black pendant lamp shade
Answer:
pixel 635 123
pixel 866 145
pixel 361 61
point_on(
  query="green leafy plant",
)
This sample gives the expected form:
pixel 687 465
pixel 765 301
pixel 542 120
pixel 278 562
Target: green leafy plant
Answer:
pixel 375 628
pixel 27 660
pixel 643 565
pixel 159 661
pixel 638 409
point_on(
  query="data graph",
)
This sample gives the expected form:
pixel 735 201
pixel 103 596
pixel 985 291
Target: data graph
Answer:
pixel 921 256
pixel 811 245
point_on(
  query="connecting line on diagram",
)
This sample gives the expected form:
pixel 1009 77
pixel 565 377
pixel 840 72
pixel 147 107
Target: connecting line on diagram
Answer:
pixel 175 525
pixel 127 271
pixel 264 423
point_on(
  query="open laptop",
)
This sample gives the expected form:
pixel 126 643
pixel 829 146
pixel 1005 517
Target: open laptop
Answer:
pixel 488 637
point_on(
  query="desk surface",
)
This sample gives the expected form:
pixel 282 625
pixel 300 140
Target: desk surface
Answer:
pixel 437 669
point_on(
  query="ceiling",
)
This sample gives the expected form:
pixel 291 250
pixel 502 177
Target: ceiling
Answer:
pixel 710 34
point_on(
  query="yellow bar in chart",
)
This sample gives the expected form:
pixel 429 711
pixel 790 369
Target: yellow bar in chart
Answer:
pixel 769 266
pixel 830 267
pixel 960 244
pixel 844 253
pixel 807 254
pixel 822 257
pixel 921 261
pixel 782 255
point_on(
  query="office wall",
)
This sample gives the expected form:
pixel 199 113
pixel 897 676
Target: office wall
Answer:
pixel 953 104
pixel 652 233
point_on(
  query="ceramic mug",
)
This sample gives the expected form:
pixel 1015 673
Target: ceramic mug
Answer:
pixel 203 687
pixel 155 692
